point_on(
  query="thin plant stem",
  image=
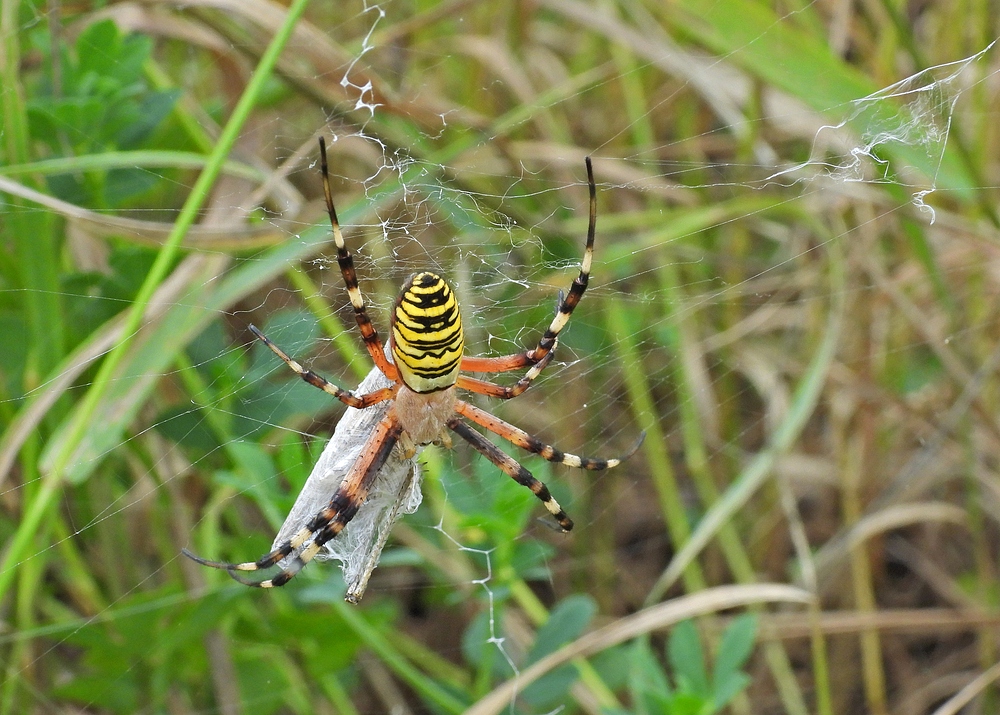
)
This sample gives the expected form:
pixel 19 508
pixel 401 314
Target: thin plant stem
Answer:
pixel 81 420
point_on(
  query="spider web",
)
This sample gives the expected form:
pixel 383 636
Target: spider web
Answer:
pixel 909 120
pixel 895 136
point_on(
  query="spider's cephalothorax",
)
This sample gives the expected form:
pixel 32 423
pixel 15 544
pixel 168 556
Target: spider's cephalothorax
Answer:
pixel 428 368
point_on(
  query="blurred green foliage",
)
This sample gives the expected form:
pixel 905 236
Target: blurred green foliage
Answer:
pixel 460 135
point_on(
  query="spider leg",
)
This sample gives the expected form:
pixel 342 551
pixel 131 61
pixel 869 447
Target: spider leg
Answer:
pixel 346 262
pixel 506 363
pixel 511 468
pixel 330 520
pixel 522 439
pixel 348 398
pixel 497 364
pixel 572 299
pixel 540 356
pixel 484 387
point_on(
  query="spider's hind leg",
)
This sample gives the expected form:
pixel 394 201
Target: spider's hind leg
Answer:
pixel 302 548
pixel 525 441
pixel 328 522
pixel 513 469
pixel 292 547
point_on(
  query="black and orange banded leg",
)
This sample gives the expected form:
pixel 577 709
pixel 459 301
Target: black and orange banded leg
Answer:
pixel 576 291
pixel 525 441
pixel 504 392
pixel 346 262
pixel 540 356
pixel 329 522
pixel 511 468
pixel 348 398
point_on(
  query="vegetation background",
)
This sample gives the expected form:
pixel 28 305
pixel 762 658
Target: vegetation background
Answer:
pixel 794 295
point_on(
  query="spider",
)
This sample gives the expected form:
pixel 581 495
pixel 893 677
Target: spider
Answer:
pixel 426 344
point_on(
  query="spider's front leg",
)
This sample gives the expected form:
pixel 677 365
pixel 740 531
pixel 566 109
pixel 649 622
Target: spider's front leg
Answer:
pixel 541 355
pixel 346 262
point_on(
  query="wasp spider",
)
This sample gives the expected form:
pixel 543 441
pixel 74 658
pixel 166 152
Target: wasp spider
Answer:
pixel 427 344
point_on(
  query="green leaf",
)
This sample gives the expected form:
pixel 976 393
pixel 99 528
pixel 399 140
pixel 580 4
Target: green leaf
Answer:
pixel 257 475
pixel 481 651
pixel 727 690
pixel 565 623
pixel 475 637
pixel 648 683
pixel 735 646
pixel 687 659
pixel 689 704
pixel 185 425
pixel 13 353
pixel 118 695
pixel 261 683
pixel 152 108
pixel 103 102
pixel 97 48
pixel 551 690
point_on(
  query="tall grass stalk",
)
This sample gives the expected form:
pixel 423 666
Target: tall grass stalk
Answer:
pixel 52 480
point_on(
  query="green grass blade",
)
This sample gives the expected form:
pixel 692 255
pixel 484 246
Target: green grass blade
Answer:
pixel 36 511
pixel 756 472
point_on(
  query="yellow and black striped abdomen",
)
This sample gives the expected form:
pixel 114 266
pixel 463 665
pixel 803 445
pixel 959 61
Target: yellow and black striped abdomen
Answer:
pixel 427 336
